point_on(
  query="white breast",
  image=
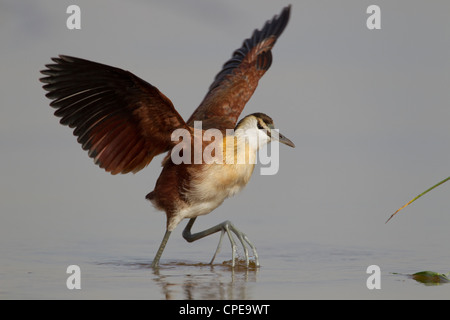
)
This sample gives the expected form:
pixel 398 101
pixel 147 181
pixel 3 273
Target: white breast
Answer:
pixel 218 182
pixel 211 185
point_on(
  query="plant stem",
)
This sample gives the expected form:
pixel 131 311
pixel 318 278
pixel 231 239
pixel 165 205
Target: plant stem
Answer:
pixel 417 197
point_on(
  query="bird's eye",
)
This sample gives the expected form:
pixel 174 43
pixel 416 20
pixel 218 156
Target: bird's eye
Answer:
pixel 260 126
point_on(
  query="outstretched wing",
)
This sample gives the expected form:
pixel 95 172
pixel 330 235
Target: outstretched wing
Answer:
pixel 235 84
pixel 119 118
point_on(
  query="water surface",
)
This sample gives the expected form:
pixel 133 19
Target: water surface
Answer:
pixel 302 271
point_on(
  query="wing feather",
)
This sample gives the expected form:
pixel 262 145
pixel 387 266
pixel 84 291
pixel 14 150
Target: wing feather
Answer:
pixel 235 83
pixel 121 120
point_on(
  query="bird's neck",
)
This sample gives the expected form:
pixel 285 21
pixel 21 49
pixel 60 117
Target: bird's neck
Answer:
pixel 241 147
pixel 247 133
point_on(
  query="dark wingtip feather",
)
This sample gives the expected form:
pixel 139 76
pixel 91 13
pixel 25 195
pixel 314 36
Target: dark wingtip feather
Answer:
pixel 272 28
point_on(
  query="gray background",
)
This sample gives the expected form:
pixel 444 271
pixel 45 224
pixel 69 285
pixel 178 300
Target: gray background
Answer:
pixel 367 110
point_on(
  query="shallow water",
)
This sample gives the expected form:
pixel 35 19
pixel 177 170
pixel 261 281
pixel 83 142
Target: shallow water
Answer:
pixel 303 271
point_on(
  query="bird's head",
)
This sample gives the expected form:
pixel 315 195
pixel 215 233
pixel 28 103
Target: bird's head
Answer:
pixel 260 126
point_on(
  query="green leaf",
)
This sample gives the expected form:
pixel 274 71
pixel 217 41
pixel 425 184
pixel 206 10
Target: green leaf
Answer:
pixel 430 277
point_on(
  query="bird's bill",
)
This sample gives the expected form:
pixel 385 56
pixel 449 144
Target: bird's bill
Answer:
pixel 279 137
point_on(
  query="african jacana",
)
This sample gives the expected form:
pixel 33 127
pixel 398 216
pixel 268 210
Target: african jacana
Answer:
pixel 124 122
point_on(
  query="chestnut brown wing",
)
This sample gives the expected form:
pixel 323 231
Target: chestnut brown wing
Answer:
pixel 119 118
pixel 238 79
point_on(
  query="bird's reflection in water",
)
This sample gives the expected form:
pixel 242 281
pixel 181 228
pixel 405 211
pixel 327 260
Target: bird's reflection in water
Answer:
pixel 184 280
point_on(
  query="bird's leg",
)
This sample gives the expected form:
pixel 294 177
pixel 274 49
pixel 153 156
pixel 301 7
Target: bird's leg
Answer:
pixel 220 227
pixel 155 263
pixel 227 227
pixel 218 247
pixel 244 239
pixel 233 245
